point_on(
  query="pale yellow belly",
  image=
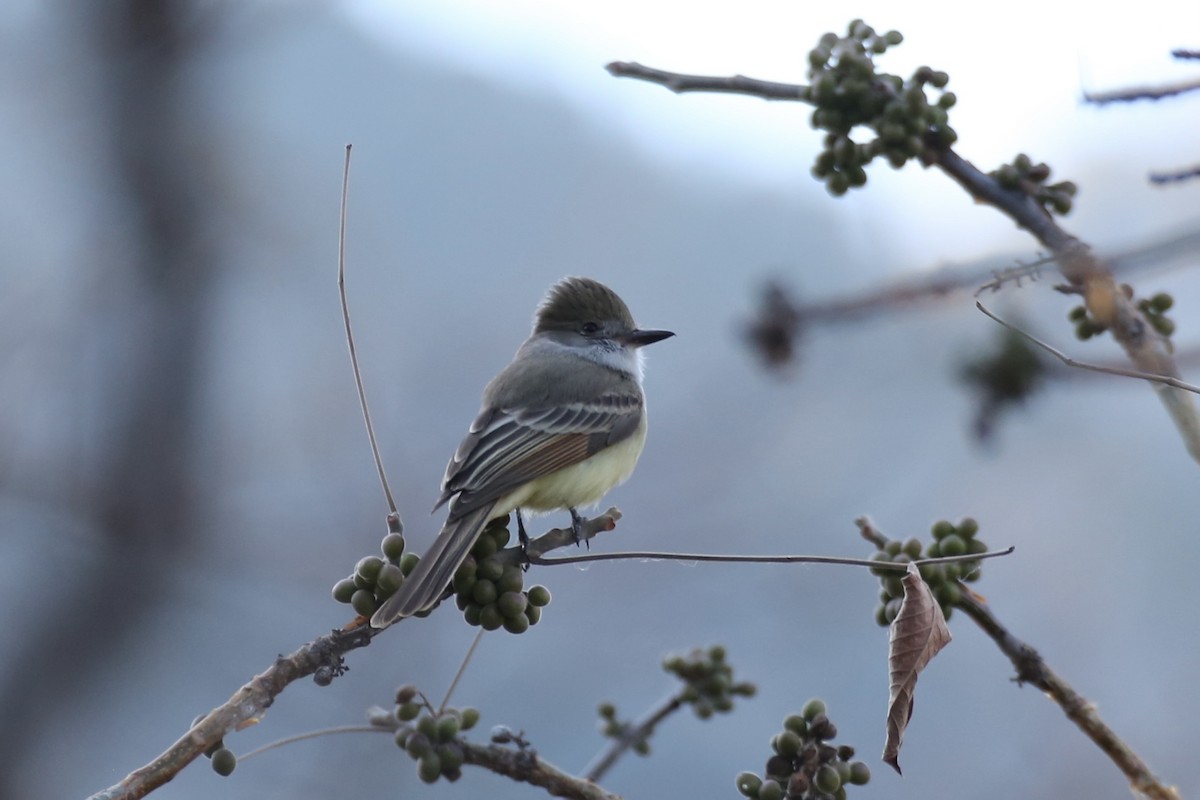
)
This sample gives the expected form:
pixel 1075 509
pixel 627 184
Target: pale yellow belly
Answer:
pixel 581 484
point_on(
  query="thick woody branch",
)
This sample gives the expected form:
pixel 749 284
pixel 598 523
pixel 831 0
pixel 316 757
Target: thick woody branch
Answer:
pixel 244 708
pixel 1107 304
pixel 250 703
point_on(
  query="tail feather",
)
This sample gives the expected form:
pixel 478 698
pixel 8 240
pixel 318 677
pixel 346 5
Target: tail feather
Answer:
pixel 436 569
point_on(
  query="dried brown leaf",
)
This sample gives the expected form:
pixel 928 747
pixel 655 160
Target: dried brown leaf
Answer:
pixel 917 634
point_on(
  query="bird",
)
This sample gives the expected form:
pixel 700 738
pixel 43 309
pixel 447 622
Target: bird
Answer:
pixel 560 426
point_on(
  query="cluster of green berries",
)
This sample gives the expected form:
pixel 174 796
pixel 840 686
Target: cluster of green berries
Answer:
pixel 948 540
pixel 375 579
pixel 431 738
pixel 224 762
pixel 710 686
pixel 848 92
pixel 488 590
pixel 1155 309
pixel 1031 178
pixel 803 765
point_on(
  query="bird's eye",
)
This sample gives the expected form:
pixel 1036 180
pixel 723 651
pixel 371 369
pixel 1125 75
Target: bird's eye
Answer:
pixel 589 328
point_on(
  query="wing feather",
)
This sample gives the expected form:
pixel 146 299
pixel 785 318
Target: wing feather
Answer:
pixel 506 448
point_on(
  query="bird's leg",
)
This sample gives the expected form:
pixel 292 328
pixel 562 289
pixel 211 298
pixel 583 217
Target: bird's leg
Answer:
pixel 523 538
pixel 577 529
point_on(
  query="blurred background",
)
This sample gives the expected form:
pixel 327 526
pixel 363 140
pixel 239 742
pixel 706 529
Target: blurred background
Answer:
pixel 184 475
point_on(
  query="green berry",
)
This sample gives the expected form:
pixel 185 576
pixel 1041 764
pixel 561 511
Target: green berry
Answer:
pixel 893 547
pixel 1077 314
pixel 408 711
pixel 913 547
pixel 427 725
pixel 485 546
pixel 1162 302
pixel 948 594
pixel 368 568
pixel 539 596
pixel 224 762
pixel 390 578
pixel 748 784
pixel 363 602
pixel 490 617
pixel 534 613
pixel 941 529
pixel 512 604
pixel 881 615
pixel 418 745
pixel 952 545
pixel 471 613
pixel 860 773
pixel 827 779
pixel 812 708
pixel 500 536
pixel 796 724
pixel 489 569
pixel 967 527
pixel 517 624
pixel 392 547
pixel 447 727
pixel 451 756
pixel 429 768
pixel 512 580
pixel 408 562
pixel 484 592
pixel 470 717
pixel 770 790
pixel 344 589
pixel 787 744
pixel 892 609
pixel 933 573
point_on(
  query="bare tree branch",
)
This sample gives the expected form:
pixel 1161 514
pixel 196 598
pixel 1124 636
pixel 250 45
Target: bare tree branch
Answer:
pixel 1031 668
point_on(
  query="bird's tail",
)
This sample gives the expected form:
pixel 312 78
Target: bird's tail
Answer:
pixel 424 586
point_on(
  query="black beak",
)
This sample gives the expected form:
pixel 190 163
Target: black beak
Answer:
pixel 640 338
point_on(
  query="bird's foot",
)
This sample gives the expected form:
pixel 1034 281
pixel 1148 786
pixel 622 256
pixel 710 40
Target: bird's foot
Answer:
pixel 577 529
pixel 523 540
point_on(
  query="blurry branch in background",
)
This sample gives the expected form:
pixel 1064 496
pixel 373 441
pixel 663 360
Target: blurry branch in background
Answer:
pixel 133 369
pixel 1031 668
pixel 850 95
pixel 1155 93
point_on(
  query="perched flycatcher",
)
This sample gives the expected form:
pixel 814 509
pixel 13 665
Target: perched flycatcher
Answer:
pixel 560 426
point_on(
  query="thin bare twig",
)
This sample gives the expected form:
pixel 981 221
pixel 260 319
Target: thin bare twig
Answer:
pixel 461 669
pixel 394 523
pixel 300 737
pixel 1071 362
pixel 744 559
